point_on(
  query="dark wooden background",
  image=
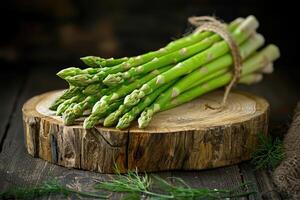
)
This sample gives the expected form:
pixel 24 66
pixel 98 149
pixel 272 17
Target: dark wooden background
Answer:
pixel 40 37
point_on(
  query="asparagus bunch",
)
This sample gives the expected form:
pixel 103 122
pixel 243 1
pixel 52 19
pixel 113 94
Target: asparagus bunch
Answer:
pixel 117 91
pixel 173 57
pixel 255 63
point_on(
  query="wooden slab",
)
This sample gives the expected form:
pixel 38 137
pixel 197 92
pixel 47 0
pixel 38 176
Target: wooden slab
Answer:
pixel 187 137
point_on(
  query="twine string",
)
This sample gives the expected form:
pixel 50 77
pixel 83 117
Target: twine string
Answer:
pixel 208 23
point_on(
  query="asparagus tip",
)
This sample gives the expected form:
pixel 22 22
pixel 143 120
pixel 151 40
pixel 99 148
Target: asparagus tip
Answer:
pixel 133 98
pixel 70 71
pixel 89 122
pixel 110 120
pixel 68 118
pixel 113 79
pixel 100 107
pixel 91 61
pixel 249 24
pixel 275 50
pixel 124 121
pixel 145 118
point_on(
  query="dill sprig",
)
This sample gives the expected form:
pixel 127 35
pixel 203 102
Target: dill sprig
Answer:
pixel 131 183
pixel 154 187
pixel 50 187
pixel 134 186
pixel 269 152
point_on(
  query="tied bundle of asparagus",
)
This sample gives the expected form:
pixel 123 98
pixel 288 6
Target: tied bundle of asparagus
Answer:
pixel 115 92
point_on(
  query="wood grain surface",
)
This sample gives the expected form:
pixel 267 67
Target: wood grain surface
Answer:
pixel 188 137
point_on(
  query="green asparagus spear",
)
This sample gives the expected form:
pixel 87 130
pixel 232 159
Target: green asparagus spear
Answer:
pixel 112 119
pixel 172 58
pixel 251 79
pixel 196 77
pixel 71 71
pixel 67 103
pixel 95 116
pixel 93 93
pixel 196 37
pixel 93 89
pixel 254 63
pixel 74 92
pixel 75 71
pixel 217 50
pixel 86 79
pixel 72 113
pixel 100 88
pixel 94 61
pixel 69 93
pixel 106 100
pixel 128 117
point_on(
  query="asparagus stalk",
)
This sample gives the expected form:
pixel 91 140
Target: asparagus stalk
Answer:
pixel 135 61
pixel 217 50
pixel 69 93
pixel 172 58
pixel 128 117
pixel 254 63
pixel 94 61
pixel 96 116
pixel 74 71
pixel 69 103
pixel 72 113
pixel 202 74
pixel 112 119
pixel 251 79
pixel 70 71
pixel 93 93
pixel 102 89
pixel 194 37
pixel 105 101
pixel 86 79
pixel 93 89
pixel 75 91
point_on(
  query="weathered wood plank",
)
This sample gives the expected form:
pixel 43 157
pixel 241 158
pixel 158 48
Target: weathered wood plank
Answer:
pixel 13 156
pixel 247 173
pixel 10 89
pixel 221 178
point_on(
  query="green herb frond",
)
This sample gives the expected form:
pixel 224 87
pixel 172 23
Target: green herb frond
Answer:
pixel 269 152
pixel 47 188
pixel 50 187
pixel 135 186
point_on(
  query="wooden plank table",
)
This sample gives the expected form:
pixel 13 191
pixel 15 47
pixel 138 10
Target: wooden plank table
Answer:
pixel 17 168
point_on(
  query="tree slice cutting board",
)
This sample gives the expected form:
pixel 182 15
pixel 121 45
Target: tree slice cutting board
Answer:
pixel 188 137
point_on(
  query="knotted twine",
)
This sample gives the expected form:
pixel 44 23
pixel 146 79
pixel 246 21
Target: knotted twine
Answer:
pixel 208 23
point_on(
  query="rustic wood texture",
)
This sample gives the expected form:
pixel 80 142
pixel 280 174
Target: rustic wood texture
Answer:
pixel 10 92
pixel 197 138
